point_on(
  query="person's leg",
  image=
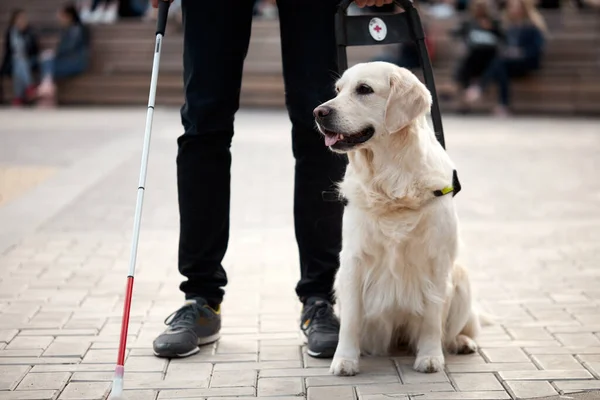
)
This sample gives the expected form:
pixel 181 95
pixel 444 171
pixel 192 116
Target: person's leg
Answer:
pixel 216 38
pixel 66 68
pixel 489 75
pixel 463 74
pixel 511 69
pixel 55 69
pixel 18 89
pixel 310 68
pixel 500 77
pixel 46 90
pixel 21 76
pixel 460 82
pixel 495 69
pixel 481 60
pixel 47 67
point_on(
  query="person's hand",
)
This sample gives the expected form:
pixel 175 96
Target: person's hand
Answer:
pixel 47 54
pixel 512 52
pixel 155 2
pixel 369 3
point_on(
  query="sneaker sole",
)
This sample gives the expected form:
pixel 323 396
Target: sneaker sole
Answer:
pixel 209 339
pixel 201 342
pixel 322 354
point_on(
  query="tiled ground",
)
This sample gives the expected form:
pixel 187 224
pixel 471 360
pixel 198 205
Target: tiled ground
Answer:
pixel 530 212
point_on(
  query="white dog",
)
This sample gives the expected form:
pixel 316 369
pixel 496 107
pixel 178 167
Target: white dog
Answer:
pixel 398 281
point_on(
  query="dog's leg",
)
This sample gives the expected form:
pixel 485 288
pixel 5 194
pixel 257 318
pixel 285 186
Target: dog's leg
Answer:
pixel 346 358
pixel 430 356
pixel 462 323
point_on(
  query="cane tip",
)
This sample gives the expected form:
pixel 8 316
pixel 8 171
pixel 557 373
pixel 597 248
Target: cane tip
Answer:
pixel 117 389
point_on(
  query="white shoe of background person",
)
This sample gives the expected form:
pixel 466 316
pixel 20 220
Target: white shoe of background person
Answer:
pixel 473 94
pixel 96 16
pixel 85 12
pixel 111 14
pixel 501 111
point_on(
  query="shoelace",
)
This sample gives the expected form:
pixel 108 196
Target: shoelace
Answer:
pixel 185 316
pixel 321 314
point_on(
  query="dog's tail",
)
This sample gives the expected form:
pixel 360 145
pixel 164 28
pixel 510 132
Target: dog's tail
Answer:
pixel 485 318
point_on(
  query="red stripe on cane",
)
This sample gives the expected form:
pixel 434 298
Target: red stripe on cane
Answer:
pixel 125 322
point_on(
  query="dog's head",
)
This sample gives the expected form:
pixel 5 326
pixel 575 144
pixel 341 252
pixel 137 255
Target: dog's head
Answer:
pixel 373 100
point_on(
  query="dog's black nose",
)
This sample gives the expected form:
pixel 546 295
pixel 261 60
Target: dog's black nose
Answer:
pixel 322 111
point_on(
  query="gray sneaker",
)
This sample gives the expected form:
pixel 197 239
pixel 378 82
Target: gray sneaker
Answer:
pixel 194 324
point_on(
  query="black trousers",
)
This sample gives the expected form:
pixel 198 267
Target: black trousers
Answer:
pixel 216 38
pixel 473 65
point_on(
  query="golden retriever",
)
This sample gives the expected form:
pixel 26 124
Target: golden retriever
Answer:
pixel 398 281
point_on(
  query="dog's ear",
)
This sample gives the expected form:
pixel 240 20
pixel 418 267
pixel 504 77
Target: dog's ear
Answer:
pixel 408 100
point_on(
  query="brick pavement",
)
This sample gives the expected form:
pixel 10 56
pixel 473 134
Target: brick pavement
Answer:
pixel 530 214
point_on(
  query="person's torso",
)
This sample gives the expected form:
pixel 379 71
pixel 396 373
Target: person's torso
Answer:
pixel 72 41
pixel 514 36
pixel 479 36
pixel 529 39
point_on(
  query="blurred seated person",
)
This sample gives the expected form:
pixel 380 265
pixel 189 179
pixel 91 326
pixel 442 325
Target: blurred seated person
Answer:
pixel 442 9
pixel 525 39
pixel 21 52
pixel 482 35
pixel 100 11
pixel 71 56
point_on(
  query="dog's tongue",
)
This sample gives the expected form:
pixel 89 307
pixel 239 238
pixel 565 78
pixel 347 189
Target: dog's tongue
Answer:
pixel 330 140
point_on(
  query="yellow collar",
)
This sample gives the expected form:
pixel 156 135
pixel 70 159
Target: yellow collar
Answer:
pixel 444 191
pixel 454 188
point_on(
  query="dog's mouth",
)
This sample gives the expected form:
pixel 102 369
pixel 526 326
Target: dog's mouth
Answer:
pixel 337 140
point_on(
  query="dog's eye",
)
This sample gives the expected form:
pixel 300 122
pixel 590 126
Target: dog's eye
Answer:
pixel 364 89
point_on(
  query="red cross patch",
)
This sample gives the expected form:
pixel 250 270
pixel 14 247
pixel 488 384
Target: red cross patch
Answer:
pixel 377 29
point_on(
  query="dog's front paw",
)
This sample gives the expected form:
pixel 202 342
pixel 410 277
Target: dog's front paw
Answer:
pixel 344 367
pixel 429 364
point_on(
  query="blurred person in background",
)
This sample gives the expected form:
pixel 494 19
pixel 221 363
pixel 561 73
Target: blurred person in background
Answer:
pixel 442 9
pixel 70 58
pixel 20 61
pixel 482 35
pixel 522 55
pixel 100 11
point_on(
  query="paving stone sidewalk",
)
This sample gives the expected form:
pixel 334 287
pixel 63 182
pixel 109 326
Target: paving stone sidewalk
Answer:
pixel 530 212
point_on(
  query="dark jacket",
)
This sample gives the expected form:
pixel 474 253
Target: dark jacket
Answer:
pixel 531 42
pixel 73 43
pixel 33 50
